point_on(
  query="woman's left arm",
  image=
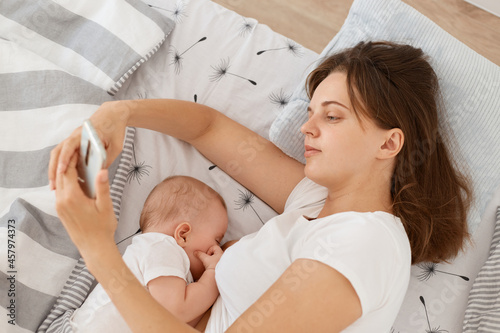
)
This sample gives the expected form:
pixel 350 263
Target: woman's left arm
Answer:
pixel 308 297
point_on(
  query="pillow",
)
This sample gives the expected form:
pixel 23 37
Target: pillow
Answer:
pixel 102 42
pixel 470 86
pixel 184 68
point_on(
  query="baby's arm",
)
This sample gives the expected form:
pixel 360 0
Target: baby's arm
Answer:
pixel 188 302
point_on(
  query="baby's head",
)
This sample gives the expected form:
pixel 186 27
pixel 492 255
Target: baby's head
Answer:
pixel 188 210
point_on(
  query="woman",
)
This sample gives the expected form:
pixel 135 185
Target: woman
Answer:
pixel 379 181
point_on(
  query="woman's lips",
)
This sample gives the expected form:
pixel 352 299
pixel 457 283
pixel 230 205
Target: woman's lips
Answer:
pixel 310 151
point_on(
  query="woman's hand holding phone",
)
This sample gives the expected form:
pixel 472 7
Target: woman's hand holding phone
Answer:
pixel 109 121
pixel 91 223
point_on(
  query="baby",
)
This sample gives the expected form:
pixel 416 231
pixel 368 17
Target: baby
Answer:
pixel 181 216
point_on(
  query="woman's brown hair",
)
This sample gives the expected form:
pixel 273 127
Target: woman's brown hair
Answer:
pixel 396 87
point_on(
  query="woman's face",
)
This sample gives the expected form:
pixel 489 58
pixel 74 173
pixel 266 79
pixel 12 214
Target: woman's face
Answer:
pixel 340 149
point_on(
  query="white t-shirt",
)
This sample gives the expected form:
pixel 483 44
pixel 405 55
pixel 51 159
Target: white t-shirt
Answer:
pixel 370 249
pixel 150 255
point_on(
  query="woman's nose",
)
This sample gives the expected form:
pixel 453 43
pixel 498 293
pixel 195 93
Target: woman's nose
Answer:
pixel 309 128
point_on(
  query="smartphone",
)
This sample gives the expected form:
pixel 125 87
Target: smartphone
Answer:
pixel 92 158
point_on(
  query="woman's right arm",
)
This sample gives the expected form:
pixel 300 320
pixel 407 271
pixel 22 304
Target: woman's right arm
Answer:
pixel 253 161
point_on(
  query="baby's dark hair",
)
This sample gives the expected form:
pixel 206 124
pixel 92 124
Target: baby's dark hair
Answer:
pixel 176 198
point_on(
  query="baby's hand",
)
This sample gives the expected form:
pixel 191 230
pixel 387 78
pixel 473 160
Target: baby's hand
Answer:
pixel 211 258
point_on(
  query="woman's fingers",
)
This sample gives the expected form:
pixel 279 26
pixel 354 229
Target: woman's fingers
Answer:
pixel 103 198
pixel 69 195
pixel 87 221
pixel 71 174
pixel 69 148
pixel 110 122
pixel 54 157
pixel 55 181
pixel 66 181
pixel 61 155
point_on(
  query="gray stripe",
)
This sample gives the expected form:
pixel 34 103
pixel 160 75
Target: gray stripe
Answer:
pixel 31 305
pixel 117 188
pixel 30 168
pixel 45 229
pixel 38 89
pixel 24 169
pixel 113 168
pixel 483 309
pixel 66 28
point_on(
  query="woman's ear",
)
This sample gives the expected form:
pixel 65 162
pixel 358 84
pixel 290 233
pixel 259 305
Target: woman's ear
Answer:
pixel 394 141
pixel 181 233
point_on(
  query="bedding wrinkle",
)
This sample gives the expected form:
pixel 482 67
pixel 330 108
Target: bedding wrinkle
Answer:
pixel 50 30
pixel 111 16
pixel 42 50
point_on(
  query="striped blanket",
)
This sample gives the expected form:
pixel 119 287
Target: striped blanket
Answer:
pixel 483 309
pixel 58 62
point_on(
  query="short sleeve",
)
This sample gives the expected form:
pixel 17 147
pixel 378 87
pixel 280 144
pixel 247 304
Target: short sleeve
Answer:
pixel 165 258
pixel 374 258
pixel 306 193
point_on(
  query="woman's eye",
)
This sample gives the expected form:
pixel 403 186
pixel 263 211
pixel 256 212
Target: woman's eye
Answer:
pixel 331 118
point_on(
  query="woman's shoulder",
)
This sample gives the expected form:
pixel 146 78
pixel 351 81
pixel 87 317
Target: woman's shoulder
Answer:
pixel 366 227
pixel 370 249
pixel 306 194
pixel 355 234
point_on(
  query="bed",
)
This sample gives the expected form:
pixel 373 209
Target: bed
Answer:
pixel 59 60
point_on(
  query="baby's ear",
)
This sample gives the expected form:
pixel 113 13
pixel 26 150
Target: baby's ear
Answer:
pixel 181 233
